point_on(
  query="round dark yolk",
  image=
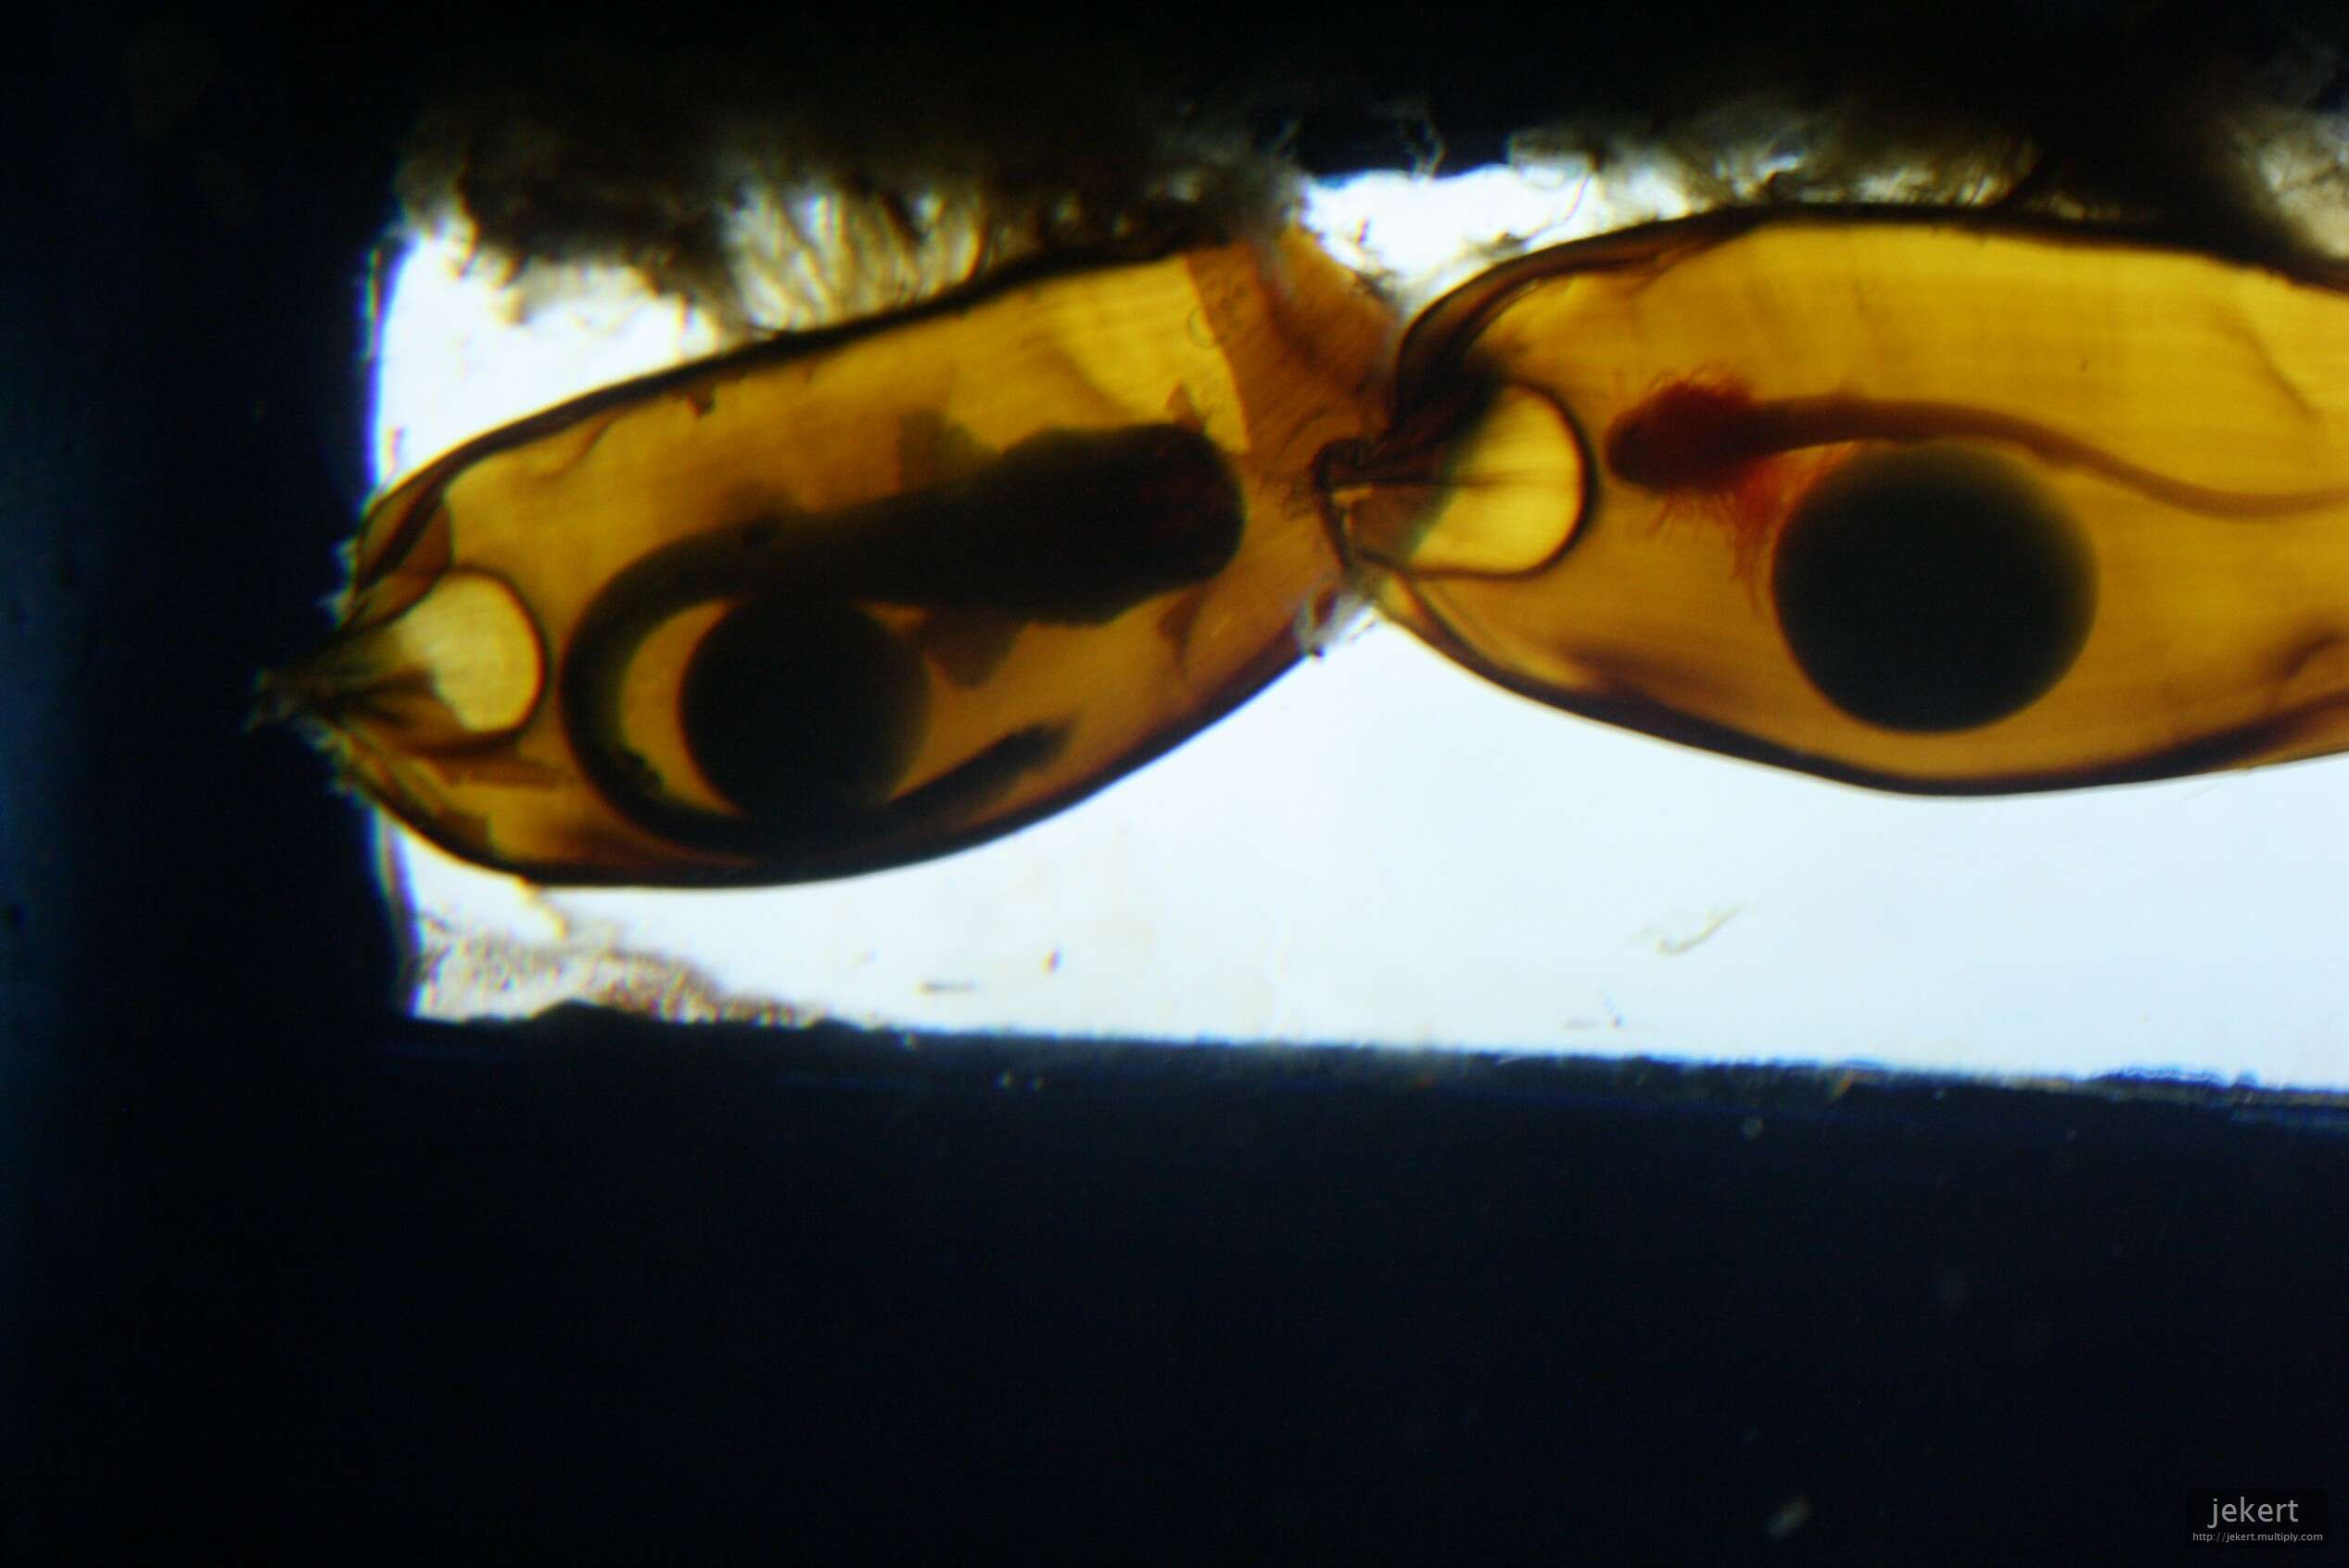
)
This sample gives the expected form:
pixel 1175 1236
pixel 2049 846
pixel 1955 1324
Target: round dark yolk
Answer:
pixel 802 711
pixel 1933 589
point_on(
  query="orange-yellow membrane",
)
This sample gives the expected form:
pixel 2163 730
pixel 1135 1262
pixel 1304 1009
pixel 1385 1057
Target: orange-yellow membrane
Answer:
pixel 1921 503
pixel 845 600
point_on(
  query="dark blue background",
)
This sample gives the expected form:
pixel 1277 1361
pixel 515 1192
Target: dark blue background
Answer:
pixel 287 1278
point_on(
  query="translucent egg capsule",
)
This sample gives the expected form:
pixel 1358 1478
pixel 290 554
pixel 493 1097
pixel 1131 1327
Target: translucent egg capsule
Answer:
pixel 848 599
pixel 1913 501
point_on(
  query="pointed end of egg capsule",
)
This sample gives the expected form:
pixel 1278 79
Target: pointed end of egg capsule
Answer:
pixel 1507 499
pixel 464 663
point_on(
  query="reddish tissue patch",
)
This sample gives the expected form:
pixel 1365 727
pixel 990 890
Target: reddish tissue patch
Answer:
pixel 1708 442
pixel 1689 435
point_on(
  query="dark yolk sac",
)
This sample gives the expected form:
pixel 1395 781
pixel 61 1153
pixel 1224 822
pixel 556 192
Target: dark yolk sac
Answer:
pixel 1933 588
